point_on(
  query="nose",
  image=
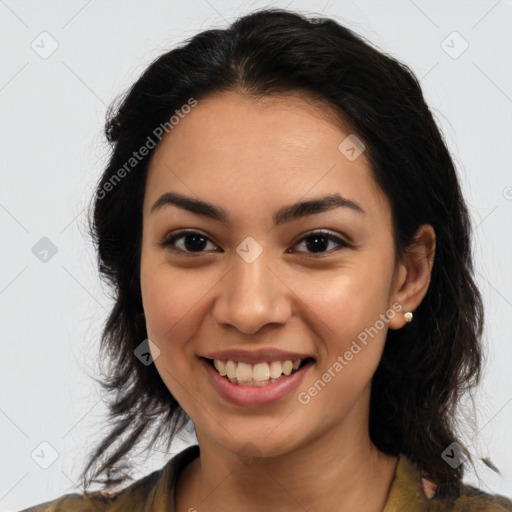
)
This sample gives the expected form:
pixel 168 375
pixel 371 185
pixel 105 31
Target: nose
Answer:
pixel 252 295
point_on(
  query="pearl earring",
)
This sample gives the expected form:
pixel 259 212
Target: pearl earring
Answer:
pixel 408 317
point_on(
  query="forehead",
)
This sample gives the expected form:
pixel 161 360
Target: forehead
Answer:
pixel 252 153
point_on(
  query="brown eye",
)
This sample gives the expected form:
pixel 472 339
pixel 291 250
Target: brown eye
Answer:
pixel 318 241
pixel 193 242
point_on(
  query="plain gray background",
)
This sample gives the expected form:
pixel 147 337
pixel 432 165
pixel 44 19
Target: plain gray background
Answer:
pixel 53 151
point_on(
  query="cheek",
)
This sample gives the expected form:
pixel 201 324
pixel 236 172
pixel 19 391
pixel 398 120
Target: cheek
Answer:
pixel 350 306
pixel 168 302
pixel 159 297
pixel 348 300
pixel 172 308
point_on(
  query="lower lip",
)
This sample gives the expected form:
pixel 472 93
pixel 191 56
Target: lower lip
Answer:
pixel 253 396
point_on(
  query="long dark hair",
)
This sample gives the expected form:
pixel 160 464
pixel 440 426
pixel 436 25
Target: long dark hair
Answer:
pixel 427 367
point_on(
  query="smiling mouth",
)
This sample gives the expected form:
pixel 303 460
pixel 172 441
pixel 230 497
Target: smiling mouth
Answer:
pixel 259 374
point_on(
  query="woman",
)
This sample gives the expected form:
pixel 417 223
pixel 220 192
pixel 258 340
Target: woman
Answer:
pixel 285 233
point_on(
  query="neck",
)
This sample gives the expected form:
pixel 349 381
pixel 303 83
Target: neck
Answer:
pixel 328 473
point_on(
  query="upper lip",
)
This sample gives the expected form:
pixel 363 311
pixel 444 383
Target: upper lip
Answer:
pixel 256 356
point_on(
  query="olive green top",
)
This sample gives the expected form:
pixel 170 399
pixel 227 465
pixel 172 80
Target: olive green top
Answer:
pixel 155 493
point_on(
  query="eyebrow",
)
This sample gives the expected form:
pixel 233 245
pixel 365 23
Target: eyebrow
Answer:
pixel 283 215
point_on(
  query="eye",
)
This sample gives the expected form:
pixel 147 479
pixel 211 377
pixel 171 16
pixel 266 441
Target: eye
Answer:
pixel 318 240
pixel 195 242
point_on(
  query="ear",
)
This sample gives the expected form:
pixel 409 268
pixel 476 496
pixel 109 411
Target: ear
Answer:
pixel 413 274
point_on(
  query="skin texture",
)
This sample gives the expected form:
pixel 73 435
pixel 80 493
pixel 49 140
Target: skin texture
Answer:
pixel 251 157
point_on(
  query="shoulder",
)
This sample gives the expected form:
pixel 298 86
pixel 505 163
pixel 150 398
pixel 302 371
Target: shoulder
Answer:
pixel 136 494
pixel 472 499
pixel 154 491
pixel 74 502
pixel 463 498
pixel 420 494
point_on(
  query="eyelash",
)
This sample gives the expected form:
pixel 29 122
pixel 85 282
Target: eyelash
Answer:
pixel 168 243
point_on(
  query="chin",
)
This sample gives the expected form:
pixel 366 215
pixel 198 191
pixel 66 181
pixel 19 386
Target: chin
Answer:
pixel 259 437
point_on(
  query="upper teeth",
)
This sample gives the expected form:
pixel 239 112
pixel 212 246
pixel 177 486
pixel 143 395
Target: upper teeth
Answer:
pixel 259 371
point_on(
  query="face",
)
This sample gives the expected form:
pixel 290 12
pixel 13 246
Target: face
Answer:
pixel 242 282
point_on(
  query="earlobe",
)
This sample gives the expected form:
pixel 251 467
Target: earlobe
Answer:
pixel 414 275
